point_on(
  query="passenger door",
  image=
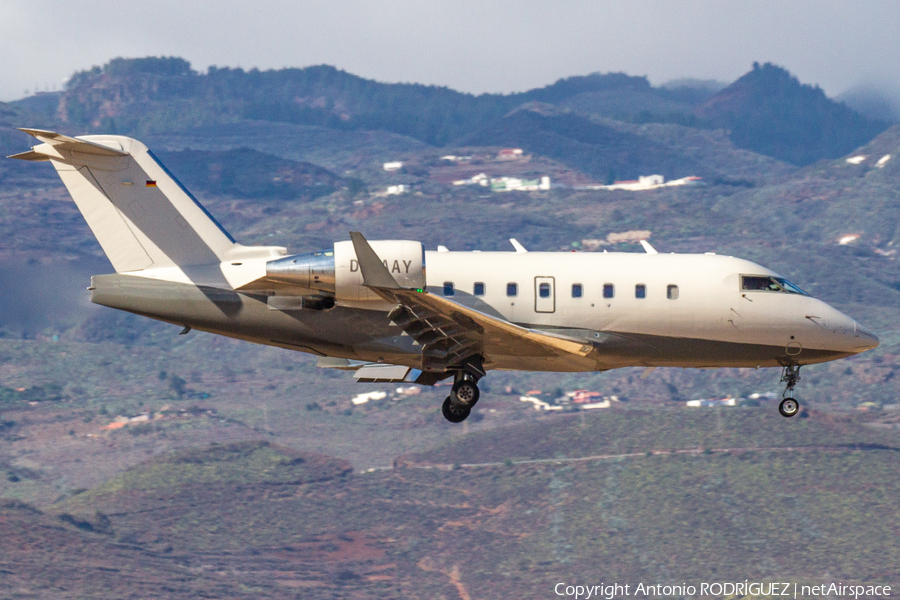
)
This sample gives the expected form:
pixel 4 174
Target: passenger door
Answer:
pixel 544 294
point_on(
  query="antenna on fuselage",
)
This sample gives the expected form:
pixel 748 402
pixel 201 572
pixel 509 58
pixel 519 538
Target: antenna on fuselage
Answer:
pixel 519 247
pixel 648 248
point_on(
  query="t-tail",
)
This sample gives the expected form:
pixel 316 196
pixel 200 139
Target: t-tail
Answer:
pixel 139 212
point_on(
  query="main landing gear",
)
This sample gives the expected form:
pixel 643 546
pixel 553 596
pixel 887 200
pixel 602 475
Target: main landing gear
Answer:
pixel 463 396
pixel 789 406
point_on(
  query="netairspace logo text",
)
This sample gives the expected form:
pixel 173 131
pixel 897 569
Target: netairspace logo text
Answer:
pixel 741 588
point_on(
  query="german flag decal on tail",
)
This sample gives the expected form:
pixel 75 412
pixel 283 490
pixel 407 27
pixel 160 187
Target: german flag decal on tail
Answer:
pixel 151 183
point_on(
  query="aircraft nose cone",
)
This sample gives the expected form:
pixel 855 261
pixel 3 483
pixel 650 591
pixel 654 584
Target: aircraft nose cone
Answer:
pixel 865 339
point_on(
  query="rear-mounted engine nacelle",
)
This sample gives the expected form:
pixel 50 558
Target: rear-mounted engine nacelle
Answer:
pixel 337 272
pixel 312 270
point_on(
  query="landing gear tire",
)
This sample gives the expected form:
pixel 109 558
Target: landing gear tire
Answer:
pixel 789 407
pixel 454 412
pixel 465 392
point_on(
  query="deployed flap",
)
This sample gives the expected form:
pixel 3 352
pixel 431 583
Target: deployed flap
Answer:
pixel 343 364
pixel 450 332
pixel 369 372
pixel 381 373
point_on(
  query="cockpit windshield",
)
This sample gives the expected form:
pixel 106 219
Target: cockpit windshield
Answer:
pixel 766 283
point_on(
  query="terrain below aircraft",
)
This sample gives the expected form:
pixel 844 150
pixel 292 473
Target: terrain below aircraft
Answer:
pixel 373 308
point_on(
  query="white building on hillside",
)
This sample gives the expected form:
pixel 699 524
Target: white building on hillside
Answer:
pixel 513 184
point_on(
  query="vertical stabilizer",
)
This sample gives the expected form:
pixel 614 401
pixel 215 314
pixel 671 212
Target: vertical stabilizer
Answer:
pixel 139 212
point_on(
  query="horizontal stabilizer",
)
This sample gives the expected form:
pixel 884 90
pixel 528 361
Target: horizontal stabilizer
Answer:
pixel 63 142
pixel 30 155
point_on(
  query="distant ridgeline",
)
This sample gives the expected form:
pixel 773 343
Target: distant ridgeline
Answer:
pixel 766 110
pixel 161 94
pixel 770 112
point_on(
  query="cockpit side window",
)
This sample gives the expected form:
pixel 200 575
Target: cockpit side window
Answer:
pixel 789 287
pixel 766 283
pixel 752 283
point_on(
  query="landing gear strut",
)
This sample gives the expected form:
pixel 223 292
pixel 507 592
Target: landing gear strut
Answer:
pixel 789 406
pixel 463 396
pixel 465 392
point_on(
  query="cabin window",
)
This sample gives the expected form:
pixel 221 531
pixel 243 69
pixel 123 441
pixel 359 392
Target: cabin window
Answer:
pixel 609 290
pixel 544 290
pixel 672 292
pixel 479 289
pixel 512 289
pixel 448 288
pixel 640 291
pixel 577 290
pixel 765 283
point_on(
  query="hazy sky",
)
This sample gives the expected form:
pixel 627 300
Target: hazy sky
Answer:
pixel 473 46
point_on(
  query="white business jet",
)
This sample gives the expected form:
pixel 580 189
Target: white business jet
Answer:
pixel 372 308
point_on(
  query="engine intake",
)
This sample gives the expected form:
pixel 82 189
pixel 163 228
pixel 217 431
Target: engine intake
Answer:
pixel 312 270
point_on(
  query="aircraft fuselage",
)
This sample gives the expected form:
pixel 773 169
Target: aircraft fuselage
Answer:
pixel 404 314
pixel 676 310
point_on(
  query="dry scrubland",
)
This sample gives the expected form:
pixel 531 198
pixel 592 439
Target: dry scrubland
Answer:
pixel 253 519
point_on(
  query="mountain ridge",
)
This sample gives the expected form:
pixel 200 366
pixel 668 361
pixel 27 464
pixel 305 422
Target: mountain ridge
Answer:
pixel 769 111
pixel 155 95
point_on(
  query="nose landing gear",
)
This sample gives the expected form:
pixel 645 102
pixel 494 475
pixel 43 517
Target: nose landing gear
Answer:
pixel 789 406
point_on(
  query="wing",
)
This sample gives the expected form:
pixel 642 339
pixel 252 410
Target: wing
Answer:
pixel 451 333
